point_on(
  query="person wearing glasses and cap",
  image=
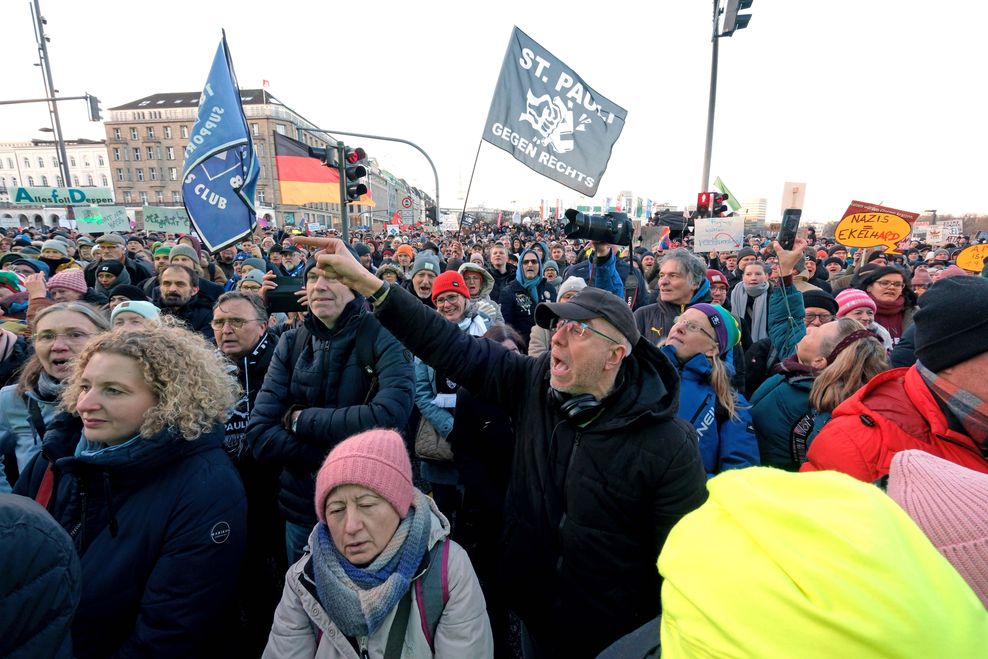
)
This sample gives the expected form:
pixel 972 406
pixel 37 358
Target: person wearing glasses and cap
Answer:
pixel 697 345
pixel 603 469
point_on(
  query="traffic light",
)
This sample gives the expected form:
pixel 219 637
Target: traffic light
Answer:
pixel 94 109
pixel 430 212
pixel 732 19
pixel 703 204
pixel 354 172
pixel 720 204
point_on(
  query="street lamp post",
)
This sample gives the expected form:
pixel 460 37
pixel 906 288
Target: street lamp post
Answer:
pixel 39 24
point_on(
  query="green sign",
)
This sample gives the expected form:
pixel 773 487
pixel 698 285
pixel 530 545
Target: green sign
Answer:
pixel 289 218
pixel 166 220
pixel 62 196
pixel 102 219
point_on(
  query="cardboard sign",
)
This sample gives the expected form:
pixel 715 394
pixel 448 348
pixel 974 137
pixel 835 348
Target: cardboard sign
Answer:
pixel 166 220
pixel 973 258
pixel 870 225
pixel 718 234
pixel 102 219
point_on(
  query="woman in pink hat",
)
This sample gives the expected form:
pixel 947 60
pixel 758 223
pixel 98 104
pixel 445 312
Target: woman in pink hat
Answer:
pixel 381 577
pixel 855 303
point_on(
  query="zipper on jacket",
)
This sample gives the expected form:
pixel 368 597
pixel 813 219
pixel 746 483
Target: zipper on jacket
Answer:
pixel 363 648
pixel 700 409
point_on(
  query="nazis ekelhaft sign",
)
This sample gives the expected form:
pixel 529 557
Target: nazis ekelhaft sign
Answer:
pixel 871 225
pixel 221 167
pixel 545 116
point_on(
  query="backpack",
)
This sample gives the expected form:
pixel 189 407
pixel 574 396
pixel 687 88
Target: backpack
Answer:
pixel 367 333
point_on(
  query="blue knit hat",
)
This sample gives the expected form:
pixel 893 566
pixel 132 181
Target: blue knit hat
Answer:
pixel 725 325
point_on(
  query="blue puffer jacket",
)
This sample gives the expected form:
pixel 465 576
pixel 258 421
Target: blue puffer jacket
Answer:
pixel 330 387
pixel 17 435
pixel 160 526
pixel 40 582
pixel 725 443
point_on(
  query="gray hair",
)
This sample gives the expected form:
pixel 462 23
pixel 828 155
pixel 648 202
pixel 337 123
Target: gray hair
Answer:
pixel 694 268
pixel 255 301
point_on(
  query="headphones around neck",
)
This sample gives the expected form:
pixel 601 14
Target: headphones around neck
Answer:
pixel 578 408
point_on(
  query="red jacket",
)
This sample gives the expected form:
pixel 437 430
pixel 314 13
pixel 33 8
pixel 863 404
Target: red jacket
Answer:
pixel 894 412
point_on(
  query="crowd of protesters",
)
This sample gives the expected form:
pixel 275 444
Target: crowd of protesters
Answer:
pixel 494 442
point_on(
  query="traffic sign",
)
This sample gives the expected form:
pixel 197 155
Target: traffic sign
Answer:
pixel 406 202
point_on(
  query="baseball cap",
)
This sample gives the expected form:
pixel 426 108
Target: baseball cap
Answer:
pixel 588 304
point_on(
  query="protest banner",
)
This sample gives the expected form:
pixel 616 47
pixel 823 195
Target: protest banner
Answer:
pixel 973 258
pixel 102 219
pixel 718 234
pixel 166 220
pixel 871 225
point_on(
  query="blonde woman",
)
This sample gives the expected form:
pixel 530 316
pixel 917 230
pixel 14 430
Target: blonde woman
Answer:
pixel 134 470
pixel 697 345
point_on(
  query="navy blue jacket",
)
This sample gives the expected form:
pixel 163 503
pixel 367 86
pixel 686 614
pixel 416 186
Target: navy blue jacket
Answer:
pixel 725 443
pixel 160 526
pixel 330 387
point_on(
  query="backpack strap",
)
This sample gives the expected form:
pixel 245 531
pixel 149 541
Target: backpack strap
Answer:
pixel 396 635
pixel 432 591
pixel 301 338
pixel 367 333
pixel 43 497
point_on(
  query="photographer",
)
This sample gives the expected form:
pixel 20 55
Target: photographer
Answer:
pixel 602 469
pixel 604 269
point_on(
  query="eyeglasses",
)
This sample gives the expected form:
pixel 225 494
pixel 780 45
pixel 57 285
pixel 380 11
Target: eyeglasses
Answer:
pixel 923 286
pixel 72 336
pixel 529 262
pixel 447 299
pixel 884 283
pixel 576 328
pixel 822 317
pixel 694 328
pixel 235 323
pixel 250 287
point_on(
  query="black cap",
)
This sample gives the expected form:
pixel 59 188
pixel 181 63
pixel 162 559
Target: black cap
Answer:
pixel 588 304
pixel 952 324
pixel 820 299
pixel 130 292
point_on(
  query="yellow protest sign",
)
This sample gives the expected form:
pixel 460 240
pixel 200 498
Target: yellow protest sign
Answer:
pixel 973 258
pixel 870 225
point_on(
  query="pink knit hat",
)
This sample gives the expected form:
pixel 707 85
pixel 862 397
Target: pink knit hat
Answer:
pixel 73 280
pixel 376 459
pixel 850 299
pixel 950 503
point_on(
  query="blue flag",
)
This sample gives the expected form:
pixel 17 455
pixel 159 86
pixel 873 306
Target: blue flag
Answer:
pixel 221 167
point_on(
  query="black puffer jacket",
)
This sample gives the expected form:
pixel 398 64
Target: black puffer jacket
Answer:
pixel 40 583
pixel 330 386
pixel 137 269
pixel 588 509
pixel 197 314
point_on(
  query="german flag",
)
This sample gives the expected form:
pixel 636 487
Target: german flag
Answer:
pixel 303 179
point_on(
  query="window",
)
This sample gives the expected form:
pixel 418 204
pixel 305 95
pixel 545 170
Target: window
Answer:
pixel 127 197
pixel 172 173
pixel 10 163
pixel 137 153
pixel 3 182
pixel 30 181
pixel 116 134
pixel 89 181
pixel 120 174
pixel 144 198
pixel 27 163
pixel 140 174
pixel 54 163
pixel 58 181
pixel 255 129
pixel 153 173
pixel 280 128
pixel 41 163
pixel 116 153
pixel 150 132
pixel 133 133
pixel 75 181
pixel 260 196
pixel 176 197
pixel 159 197
pixel 168 132
pixel 99 161
pixel 13 181
pixel 150 151
pixel 71 161
pixel 102 179
pixel 170 151
pixel 44 181
pixel 185 132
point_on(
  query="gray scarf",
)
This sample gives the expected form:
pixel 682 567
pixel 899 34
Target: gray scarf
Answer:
pixel 48 387
pixel 759 311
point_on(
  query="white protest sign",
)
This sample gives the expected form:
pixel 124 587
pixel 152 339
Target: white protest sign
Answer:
pixel 166 220
pixel 102 219
pixel 718 234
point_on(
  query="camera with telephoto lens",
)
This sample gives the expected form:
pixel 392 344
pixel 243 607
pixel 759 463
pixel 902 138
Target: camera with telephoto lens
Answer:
pixel 613 228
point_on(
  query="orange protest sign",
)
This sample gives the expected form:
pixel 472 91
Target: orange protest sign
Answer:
pixel 973 258
pixel 870 225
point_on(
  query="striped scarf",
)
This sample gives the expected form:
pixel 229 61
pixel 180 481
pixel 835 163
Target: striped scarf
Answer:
pixel 971 411
pixel 358 600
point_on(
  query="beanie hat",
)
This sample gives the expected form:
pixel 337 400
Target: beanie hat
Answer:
pixel 12 281
pixel 921 278
pixel 376 459
pixel 163 249
pixel 183 250
pixel 361 249
pixel 21 241
pixel 746 251
pixel 551 264
pixel 392 268
pixel 451 280
pixel 254 275
pixel 84 240
pixel 825 557
pixel 834 259
pixel 571 284
pixel 34 264
pixel 130 292
pixel 725 325
pixel 821 300
pixel 256 263
pixel 874 256
pixel 950 503
pixel 73 280
pixel 953 271
pixel 196 243
pixel 836 248
pixel 426 261
pixel 113 267
pixel 135 238
pixel 56 245
pixel 716 277
pixel 406 249
pixel 140 307
pixel 952 323
pixel 850 299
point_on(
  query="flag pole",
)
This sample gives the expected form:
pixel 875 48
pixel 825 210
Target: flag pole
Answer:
pixel 473 171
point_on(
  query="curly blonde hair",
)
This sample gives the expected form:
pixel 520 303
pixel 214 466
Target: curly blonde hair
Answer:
pixel 189 378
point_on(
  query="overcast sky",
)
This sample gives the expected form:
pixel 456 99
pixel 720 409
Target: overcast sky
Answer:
pixel 880 101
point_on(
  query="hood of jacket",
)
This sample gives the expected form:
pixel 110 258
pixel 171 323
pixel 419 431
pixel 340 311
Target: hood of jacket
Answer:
pixel 697 366
pixel 488 286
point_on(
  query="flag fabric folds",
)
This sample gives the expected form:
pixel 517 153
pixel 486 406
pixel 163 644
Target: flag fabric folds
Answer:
pixel 731 200
pixel 549 119
pixel 221 167
pixel 304 179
